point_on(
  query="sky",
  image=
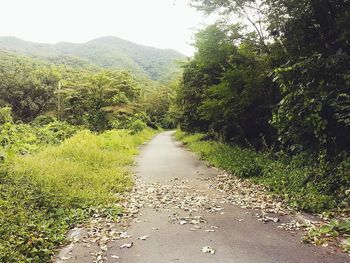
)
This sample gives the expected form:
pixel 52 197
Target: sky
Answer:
pixel 158 23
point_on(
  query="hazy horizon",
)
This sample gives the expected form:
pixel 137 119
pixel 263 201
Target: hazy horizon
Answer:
pixel 165 24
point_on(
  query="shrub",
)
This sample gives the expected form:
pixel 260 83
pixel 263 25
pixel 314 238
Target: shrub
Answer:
pixel 305 182
pixel 43 120
pixel 5 115
pixel 25 138
pixel 137 126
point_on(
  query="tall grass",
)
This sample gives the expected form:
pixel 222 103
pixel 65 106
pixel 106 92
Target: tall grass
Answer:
pixel 44 194
pixel 303 182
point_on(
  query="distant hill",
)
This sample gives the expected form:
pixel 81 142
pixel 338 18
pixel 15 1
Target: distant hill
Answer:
pixel 106 52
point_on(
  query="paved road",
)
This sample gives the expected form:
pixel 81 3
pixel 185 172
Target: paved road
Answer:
pixel 244 241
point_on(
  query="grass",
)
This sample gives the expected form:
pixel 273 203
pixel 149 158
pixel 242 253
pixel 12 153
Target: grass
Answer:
pixel 44 194
pixel 306 185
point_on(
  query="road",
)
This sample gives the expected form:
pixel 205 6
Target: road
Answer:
pixel 178 211
pixel 236 235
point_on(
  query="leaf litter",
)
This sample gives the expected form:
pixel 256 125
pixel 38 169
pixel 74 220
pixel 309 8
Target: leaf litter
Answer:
pixel 180 195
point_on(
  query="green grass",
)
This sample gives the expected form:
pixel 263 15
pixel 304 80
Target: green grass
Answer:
pixel 305 184
pixel 44 194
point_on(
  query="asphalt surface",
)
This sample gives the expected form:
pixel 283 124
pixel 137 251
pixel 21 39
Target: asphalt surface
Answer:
pixel 238 237
pixel 244 241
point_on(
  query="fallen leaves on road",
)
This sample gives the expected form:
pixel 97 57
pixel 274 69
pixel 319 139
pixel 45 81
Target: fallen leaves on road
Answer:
pixel 181 195
pixel 271 208
pixel 248 195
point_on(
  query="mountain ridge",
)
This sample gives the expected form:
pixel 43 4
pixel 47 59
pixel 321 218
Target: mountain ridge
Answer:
pixel 104 52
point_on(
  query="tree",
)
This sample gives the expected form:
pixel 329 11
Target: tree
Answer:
pixel 26 87
pixel 251 13
pixel 307 53
pixel 93 102
pixel 314 82
pixel 226 89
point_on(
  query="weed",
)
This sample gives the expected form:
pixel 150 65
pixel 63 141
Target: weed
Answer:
pixel 44 194
pixel 301 181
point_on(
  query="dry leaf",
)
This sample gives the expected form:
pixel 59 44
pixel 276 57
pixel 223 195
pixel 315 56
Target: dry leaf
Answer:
pixel 208 250
pixel 143 237
pixel 127 245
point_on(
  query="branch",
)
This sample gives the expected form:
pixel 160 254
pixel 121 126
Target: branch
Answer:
pixel 261 36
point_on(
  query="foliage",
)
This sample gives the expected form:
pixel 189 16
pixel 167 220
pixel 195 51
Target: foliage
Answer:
pixel 346 245
pixel 26 86
pixel 5 115
pixel 158 105
pixel 26 138
pixel 92 101
pixel 276 81
pixel 44 194
pixel 42 120
pixel 308 55
pixel 238 161
pixel 123 120
pixel 314 83
pixel 251 13
pixel 302 181
pixel 137 126
pixel 226 89
pixel 335 228
pixel 103 53
pixel 95 99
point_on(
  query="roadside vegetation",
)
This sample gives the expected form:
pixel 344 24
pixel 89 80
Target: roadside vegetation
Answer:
pixel 290 177
pixel 67 138
pixel 270 97
pixel 47 187
pixel 267 99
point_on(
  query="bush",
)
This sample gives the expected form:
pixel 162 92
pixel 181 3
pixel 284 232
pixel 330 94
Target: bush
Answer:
pixel 43 120
pixel 25 138
pixel 5 115
pixel 137 126
pixel 238 161
pixel 55 132
pixel 126 121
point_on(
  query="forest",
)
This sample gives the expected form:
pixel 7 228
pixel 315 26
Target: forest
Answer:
pixel 266 97
pixel 277 84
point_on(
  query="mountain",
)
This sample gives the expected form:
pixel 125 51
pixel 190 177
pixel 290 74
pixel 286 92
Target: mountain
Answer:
pixel 105 52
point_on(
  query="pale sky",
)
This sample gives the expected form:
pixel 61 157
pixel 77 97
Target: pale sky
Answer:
pixel 158 23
